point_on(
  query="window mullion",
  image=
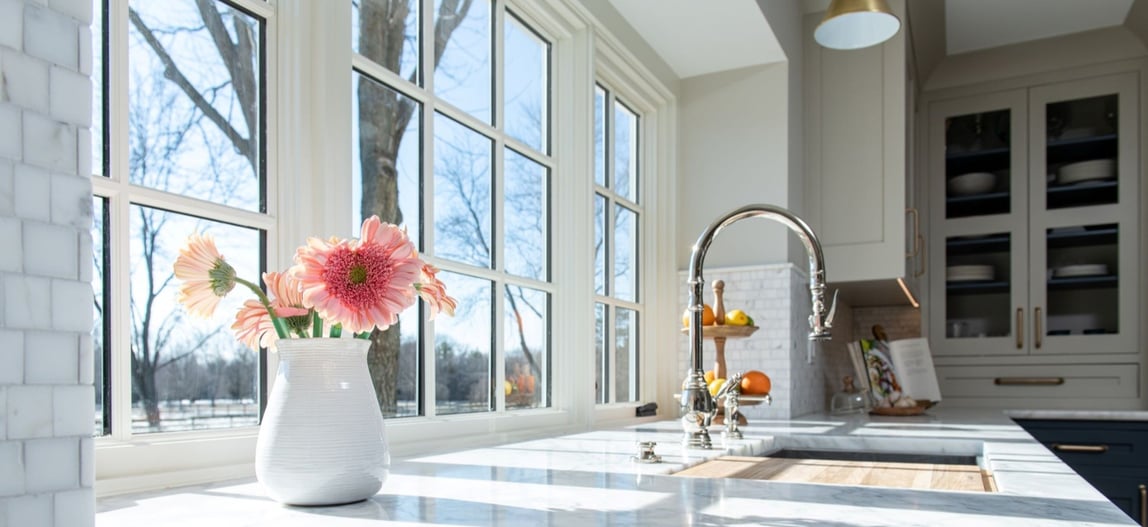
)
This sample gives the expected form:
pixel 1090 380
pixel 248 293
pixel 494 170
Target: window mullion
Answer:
pixel 120 339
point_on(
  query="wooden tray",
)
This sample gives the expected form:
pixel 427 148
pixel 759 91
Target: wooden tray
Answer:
pixel 710 332
pixel 911 410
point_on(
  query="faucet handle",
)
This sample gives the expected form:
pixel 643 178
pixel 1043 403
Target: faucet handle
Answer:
pixel 832 309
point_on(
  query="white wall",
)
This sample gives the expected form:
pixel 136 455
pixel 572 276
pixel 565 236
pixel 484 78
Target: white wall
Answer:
pixel 46 473
pixel 733 150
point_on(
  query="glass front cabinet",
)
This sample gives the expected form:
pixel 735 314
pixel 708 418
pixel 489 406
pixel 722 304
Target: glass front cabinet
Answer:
pixel 1033 213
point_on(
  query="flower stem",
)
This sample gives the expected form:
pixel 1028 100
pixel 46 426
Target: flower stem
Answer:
pixel 279 323
pixel 316 325
pixel 336 331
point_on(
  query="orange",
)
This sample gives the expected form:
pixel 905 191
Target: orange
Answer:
pixel 707 316
pixel 754 382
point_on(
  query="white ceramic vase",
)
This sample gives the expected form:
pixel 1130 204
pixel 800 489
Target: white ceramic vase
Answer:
pixel 322 440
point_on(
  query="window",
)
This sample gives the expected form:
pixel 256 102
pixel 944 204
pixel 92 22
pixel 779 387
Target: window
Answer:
pixel 617 258
pixel 469 128
pixel 179 146
pixel 451 139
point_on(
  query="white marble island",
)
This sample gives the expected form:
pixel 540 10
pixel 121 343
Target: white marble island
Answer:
pixel 588 479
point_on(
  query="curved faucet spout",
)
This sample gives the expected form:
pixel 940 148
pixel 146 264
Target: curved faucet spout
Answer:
pixel 697 406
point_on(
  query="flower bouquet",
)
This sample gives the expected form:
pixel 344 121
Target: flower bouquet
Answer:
pixel 354 285
pixel 322 384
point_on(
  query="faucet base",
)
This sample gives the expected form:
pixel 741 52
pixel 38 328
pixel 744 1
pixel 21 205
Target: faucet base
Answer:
pixel 698 440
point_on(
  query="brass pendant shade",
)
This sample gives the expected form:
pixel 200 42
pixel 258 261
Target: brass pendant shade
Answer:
pixel 856 24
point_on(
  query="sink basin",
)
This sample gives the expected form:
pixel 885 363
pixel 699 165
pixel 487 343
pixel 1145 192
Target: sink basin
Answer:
pixel 874 457
pixel 837 467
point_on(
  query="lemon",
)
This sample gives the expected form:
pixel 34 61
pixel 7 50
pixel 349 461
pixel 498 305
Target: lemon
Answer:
pixel 738 317
pixel 507 387
pixel 716 385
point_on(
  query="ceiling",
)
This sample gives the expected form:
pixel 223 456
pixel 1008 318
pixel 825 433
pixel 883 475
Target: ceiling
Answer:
pixel 729 34
pixel 980 24
pixel 693 40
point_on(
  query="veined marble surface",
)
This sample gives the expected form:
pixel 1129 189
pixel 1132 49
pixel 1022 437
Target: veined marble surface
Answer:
pixel 1080 415
pixel 588 479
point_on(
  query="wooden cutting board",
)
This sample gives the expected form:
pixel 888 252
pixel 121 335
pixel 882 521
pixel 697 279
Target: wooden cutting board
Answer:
pixel 866 473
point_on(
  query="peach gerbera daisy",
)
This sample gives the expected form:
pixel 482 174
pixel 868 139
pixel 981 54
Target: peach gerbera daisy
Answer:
pixel 362 284
pixel 206 276
pixel 433 292
pixel 253 325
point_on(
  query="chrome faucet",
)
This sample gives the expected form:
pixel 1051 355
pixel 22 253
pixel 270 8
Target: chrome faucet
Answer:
pixel 698 408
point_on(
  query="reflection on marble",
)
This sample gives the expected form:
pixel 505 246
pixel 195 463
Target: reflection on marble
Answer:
pixel 587 479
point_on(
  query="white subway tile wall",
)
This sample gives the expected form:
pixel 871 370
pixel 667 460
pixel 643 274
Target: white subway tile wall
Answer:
pixel 46 456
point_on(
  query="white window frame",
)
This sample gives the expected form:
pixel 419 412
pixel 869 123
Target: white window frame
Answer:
pixel 126 462
pixel 309 62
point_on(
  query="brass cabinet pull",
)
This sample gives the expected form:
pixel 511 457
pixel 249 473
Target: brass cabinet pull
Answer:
pixel 1086 449
pixel 1036 334
pixel 1143 506
pixel 1028 381
pixel 1019 329
pixel 912 211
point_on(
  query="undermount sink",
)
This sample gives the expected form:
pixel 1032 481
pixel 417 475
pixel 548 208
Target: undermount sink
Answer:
pixel 838 467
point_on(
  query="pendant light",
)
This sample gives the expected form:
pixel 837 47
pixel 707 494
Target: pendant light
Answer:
pixel 856 24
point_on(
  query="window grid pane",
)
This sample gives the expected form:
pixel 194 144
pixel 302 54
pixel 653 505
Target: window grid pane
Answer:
pixel 388 17
pixel 625 152
pixel 625 355
pixel 625 253
pixel 100 324
pixel 601 365
pixel 206 144
pixel 527 347
pixel 389 189
pixel 462 202
pixel 463 345
pixel 525 216
pixel 464 73
pixel 188 373
pixel 526 85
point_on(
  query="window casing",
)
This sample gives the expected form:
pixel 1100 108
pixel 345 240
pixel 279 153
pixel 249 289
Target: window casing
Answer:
pixel 617 248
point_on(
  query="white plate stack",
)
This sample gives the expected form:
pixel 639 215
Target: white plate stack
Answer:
pixel 1096 169
pixel 1069 271
pixel 969 273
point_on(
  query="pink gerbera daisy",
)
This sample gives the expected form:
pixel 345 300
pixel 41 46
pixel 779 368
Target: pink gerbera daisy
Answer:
pixel 433 292
pixel 206 276
pixel 253 325
pixel 362 284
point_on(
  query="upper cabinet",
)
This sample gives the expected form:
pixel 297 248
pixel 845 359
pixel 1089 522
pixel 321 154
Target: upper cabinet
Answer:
pixel 857 107
pixel 1034 196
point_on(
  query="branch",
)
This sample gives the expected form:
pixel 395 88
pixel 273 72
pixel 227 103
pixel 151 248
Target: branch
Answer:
pixel 173 73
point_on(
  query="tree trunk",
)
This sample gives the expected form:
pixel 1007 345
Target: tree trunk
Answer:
pixel 381 112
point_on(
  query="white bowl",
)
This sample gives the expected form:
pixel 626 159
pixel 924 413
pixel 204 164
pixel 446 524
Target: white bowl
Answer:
pixel 1086 171
pixel 969 273
pixel 972 183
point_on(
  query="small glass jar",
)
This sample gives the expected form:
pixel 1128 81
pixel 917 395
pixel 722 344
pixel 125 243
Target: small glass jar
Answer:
pixel 849 400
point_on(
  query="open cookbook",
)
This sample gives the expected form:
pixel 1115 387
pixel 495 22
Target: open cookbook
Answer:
pixel 896 373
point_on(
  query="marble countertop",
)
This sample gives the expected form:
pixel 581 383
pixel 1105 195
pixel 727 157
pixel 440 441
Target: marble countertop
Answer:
pixel 588 479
